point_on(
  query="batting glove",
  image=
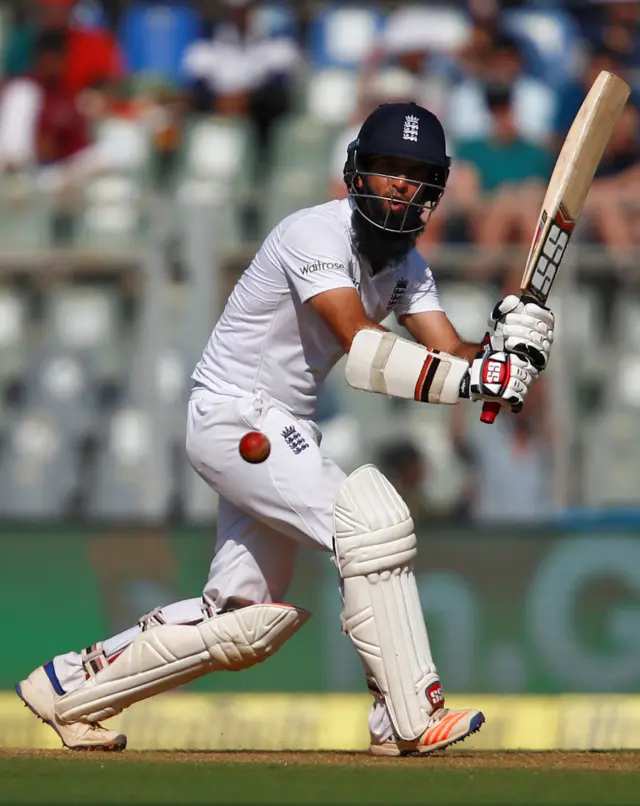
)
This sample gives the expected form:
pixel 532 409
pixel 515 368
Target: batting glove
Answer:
pixel 521 325
pixel 500 377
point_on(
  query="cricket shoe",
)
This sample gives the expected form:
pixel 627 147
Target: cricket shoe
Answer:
pixel 445 727
pixel 38 692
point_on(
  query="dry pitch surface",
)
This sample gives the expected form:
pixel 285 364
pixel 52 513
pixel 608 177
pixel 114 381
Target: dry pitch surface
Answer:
pixel 453 777
pixel 610 761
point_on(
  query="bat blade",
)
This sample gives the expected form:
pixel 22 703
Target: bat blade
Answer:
pixel 570 181
pixel 568 188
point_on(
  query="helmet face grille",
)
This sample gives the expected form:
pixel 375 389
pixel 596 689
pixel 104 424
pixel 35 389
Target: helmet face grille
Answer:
pixel 377 210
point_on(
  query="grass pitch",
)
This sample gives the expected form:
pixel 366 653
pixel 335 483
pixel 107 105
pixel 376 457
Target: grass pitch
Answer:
pixel 319 778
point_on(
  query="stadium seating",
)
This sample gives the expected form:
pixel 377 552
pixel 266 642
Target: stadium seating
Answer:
pixel 218 152
pixel 468 306
pixel 62 385
pixel 343 36
pixel 217 165
pixel 89 15
pixel 423 26
pixel 85 322
pixel 298 168
pixel 278 19
pixel 14 340
pixel 624 354
pixel 331 95
pixel 93 408
pixel 155 35
pixel 112 205
pixel 628 321
pixel 133 476
pixel 579 316
pixel 549 40
pixel 25 215
pixel 610 459
pixel 39 470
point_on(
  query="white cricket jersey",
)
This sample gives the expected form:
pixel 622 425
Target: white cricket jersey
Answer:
pixel 268 340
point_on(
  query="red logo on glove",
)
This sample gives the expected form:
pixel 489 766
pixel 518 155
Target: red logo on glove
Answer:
pixel 494 372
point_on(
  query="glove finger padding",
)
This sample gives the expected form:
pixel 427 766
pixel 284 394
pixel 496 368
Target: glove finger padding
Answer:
pixel 507 305
pixel 523 326
pixel 531 339
pixel 502 378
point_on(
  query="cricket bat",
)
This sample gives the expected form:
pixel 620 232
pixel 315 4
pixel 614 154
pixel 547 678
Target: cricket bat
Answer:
pixel 568 187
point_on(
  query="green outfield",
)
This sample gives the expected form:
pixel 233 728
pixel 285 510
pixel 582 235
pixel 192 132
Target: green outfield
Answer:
pixel 319 778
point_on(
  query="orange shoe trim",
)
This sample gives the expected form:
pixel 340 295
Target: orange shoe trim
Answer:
pixel 443 730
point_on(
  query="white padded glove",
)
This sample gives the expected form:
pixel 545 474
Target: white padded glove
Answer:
pixel 521 325
pixel 500 377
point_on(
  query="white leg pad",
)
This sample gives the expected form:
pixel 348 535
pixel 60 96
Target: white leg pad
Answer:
pixel 170 655
pixel 375 547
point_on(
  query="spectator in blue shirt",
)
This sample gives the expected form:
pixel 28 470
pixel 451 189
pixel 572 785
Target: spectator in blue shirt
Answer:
pixel 504 176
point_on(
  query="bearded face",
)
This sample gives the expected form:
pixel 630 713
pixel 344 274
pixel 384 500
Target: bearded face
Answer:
pixel 396 195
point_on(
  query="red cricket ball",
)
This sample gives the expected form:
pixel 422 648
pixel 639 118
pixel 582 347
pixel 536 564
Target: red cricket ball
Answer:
pixel 254 447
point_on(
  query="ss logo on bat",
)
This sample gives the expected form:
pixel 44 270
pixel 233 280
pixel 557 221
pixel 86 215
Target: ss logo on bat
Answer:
pixel 550 258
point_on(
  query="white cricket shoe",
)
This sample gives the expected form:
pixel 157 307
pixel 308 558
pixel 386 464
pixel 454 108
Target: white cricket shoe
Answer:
pixel 445 727
pixel 39 695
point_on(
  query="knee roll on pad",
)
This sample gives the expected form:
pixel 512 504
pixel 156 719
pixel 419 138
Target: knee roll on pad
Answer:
pixel 375 546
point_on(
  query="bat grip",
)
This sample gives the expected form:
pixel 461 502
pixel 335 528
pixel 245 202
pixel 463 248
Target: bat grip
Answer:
pixel 489 412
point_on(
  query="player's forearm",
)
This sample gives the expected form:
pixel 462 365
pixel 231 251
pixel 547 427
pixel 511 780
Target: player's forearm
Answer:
pixel 343 313
pixel 467 350
pixel 434 330
pixel 347 333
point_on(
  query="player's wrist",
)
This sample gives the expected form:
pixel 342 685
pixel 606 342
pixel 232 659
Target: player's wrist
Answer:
pixel 469 350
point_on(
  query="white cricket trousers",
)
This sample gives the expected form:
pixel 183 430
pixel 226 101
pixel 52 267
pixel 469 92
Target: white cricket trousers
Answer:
pixel 266 511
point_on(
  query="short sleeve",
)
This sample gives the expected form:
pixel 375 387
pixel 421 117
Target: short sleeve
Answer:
pixel 315 255
pixel 421 294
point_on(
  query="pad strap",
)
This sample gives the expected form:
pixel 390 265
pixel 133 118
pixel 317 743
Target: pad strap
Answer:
pixel 94 659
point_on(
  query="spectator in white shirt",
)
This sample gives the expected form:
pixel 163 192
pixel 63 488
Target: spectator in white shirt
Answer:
pixel 243 69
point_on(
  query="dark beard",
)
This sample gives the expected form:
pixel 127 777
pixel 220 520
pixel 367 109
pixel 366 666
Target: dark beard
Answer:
pixel 381 248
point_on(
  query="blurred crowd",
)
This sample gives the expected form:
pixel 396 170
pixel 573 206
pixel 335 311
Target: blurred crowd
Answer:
pixel 506 86
pixel 506 78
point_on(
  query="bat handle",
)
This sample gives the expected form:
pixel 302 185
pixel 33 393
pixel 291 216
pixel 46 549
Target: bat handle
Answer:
pixel 489 412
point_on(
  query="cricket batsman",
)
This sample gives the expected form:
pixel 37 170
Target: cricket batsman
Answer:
pixel 317 289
